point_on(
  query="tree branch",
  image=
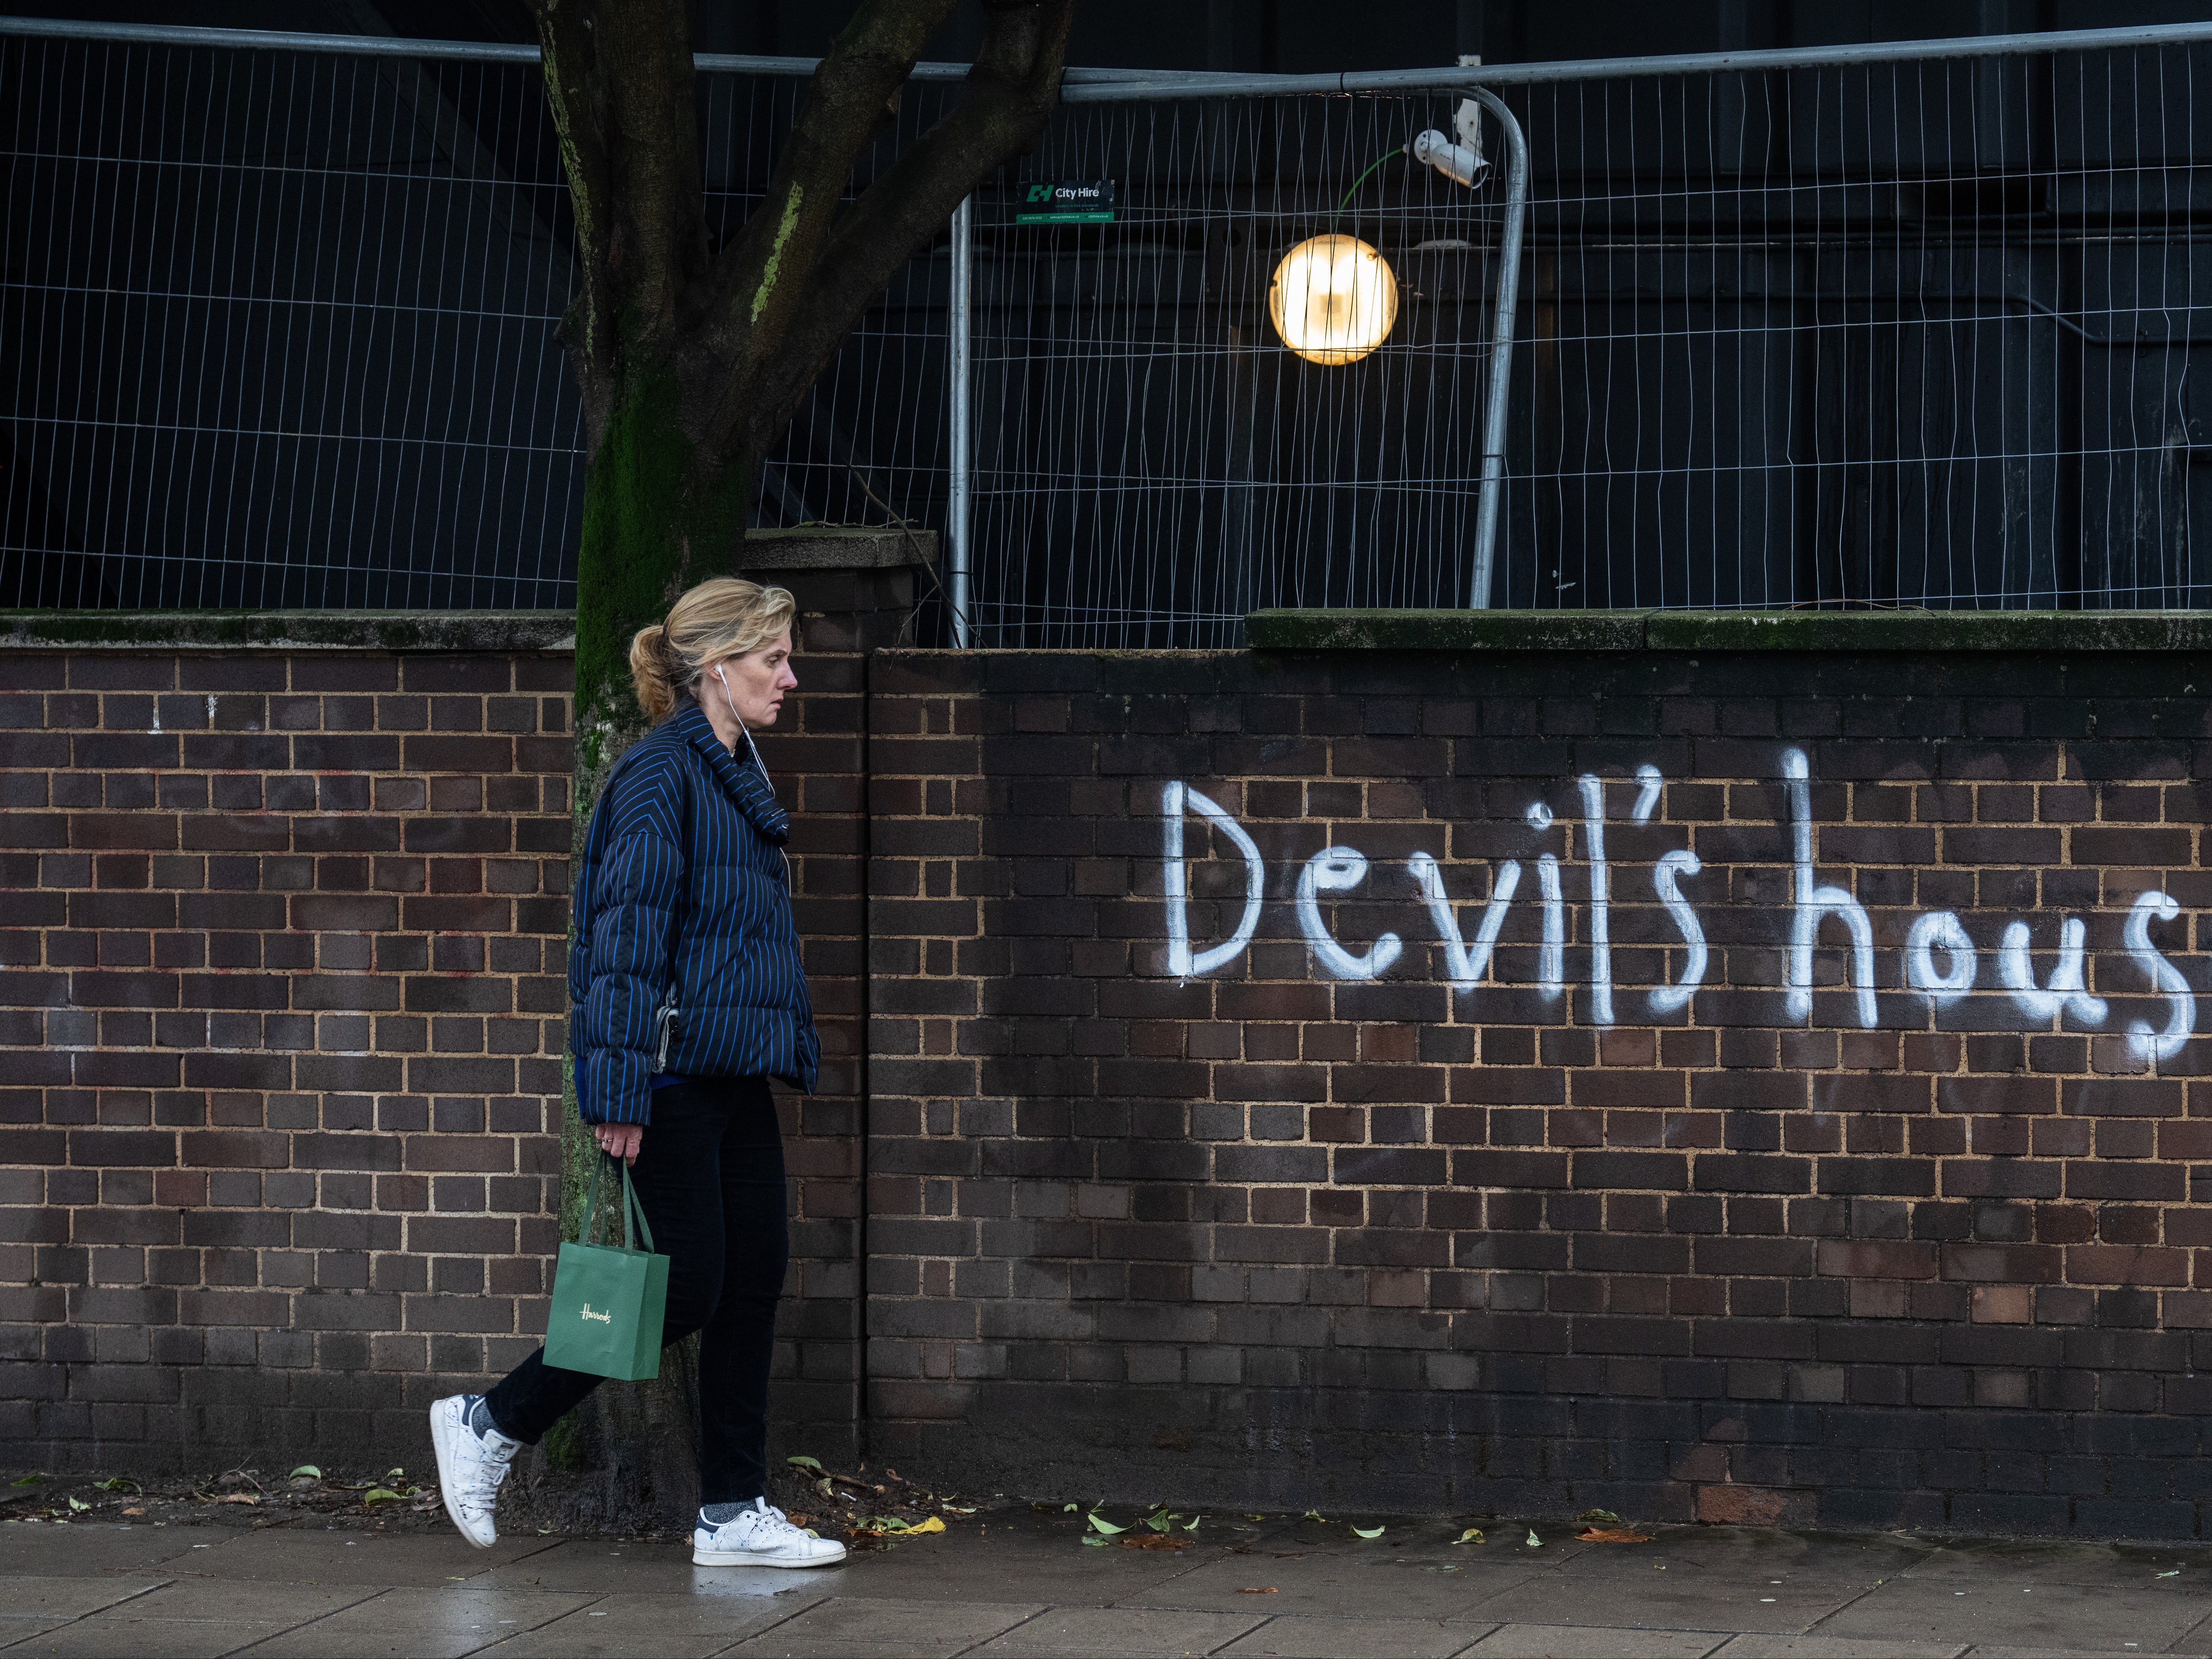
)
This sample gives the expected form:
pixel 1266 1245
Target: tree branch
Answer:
pixel 1011 95
pixel 760 280
pixel 619 81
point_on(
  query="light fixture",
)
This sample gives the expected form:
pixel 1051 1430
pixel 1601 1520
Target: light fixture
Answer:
pixel 1332 300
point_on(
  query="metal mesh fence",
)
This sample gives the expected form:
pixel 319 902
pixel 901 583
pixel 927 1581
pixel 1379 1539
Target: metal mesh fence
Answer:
pixel 1915 332
pixel 1912 332
pixel 1151 463
pixel 279 329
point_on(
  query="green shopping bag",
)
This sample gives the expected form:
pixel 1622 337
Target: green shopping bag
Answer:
pixel 608 1303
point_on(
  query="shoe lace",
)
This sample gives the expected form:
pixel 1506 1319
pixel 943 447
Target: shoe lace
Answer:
pixel 767 1522
pixel 496 1455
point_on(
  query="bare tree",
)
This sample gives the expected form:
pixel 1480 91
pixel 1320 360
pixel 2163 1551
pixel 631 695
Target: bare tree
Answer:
pixel 693 360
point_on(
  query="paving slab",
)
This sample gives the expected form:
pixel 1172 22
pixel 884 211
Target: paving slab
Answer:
pixel 80 1548
pixel 599 1567
pixel 21 1626
pixel 1117 1634
pixel 32 1607
pixel 1330 1585
pixel 2197 1640
pixel 69 1598
pixel 676 1626
pixel 2047 1615
pixel 1754 1552
pixel 423 1624
pixel 423 1560
pixel 1593 1642
pixel 146 1639
pixel 868 1629
pixel 1295 1638
pixel 968 1564
pixel 1829 1647
pixel 2019 1560
pixel 193 1617
pixel 1673 1600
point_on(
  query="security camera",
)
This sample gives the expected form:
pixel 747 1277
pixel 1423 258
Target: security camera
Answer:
pixel 1462 162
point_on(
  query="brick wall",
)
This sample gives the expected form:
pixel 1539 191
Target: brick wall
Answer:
pixel 281 1013
pixel 283 1020
pixel 1269 1233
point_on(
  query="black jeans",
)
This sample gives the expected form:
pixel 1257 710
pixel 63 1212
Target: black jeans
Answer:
pixel 709 1177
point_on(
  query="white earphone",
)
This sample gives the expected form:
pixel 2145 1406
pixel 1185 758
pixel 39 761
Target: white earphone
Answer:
pixel 755 749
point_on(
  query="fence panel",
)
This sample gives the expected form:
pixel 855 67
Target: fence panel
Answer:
pixel 280 328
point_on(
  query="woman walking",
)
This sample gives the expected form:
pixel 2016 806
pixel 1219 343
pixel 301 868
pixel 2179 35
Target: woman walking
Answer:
pixel 683 901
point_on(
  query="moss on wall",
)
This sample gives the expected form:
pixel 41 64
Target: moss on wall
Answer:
pixel 290 630
pixel 1729 630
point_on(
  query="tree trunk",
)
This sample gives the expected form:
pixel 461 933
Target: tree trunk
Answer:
pixel 691 362
pixel 659 518
pixel 627 1459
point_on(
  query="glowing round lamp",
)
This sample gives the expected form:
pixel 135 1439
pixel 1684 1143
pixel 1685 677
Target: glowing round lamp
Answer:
pixel 1332 300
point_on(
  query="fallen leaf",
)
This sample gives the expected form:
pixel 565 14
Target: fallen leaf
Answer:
pixel 1069 1508
pixel 806 1462
pixel 1599 1517
pixel 2176 1573
pixel 1152 1540
pixel 1263 1589
pixel 27 1480
pixel 1096 1543
pixel 1612 1535
pixel 118 1483
pixel 373 1496
pixel 134 1511
pixel 1534 1542
pixel 934 1524
pixel 1106 1527
pixel 1362 1532
pixel 1472 1536
pixel 238 1497
pixel 307 1470
pixel 79 1505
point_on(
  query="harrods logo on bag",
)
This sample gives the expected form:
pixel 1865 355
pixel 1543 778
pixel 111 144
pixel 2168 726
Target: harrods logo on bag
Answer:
pixel 609 1303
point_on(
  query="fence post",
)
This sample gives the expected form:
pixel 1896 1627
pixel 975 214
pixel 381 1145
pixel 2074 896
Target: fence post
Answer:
pixel 959 509
pixel 1501 350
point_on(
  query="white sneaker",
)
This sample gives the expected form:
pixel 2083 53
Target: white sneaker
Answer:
pixel 761 1537
pixel 471 1466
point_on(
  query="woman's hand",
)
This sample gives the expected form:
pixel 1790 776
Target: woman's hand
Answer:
pixel 620 1140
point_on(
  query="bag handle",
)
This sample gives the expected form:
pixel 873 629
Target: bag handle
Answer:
pixel 634 1213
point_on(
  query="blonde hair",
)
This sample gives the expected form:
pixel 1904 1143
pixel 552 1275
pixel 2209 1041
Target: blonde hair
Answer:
pixel 723 617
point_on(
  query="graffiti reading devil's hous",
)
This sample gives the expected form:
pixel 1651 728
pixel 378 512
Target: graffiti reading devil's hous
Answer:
pixel 1936 936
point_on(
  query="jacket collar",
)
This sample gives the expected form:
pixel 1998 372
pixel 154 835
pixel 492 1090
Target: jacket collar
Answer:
pixel 743 781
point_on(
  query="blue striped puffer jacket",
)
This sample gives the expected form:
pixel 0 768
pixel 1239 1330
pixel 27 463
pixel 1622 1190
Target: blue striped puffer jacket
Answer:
pixel 684 868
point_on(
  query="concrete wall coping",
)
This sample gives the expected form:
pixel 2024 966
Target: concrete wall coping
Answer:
pixel 836 547
pixel 553 631
pixel 1729 630
pixel 550 631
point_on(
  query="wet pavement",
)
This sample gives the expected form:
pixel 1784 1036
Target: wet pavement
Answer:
pixel 1014 1581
